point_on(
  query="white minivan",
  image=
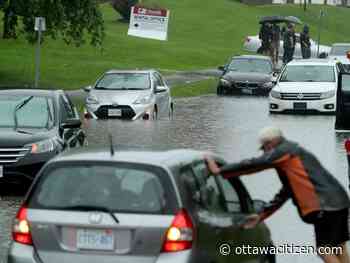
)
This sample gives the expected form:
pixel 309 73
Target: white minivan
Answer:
pixel 306 86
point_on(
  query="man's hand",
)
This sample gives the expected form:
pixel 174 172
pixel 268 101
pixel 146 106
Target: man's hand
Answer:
pixel 251 221
pixel 212 165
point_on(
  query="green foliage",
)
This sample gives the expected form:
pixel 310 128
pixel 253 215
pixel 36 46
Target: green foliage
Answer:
pixel 203 87
pixel 71 20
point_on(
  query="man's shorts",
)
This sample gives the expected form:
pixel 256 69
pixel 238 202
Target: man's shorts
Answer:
pixel 332 228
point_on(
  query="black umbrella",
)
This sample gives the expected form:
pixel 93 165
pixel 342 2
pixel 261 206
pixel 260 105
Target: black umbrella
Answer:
pixel 280 19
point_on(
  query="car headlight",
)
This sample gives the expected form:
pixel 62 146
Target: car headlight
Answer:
pixel 224 82
pixel 43 146
pixel 91 100
pixel 268 85
pixel 275 94
pixel 328 94
pixel 143 100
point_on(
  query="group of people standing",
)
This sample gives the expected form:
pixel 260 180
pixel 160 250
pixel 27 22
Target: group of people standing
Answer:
pixel 271 34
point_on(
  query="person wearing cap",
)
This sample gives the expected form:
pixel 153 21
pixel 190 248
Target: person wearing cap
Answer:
pixel 318 196
pixel 305 43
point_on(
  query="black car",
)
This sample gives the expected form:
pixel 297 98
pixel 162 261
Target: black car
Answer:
pixel 35 125
pixel 250 75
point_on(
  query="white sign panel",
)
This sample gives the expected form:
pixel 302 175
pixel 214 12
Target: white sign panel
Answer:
pixel 149 23
pixel 40 24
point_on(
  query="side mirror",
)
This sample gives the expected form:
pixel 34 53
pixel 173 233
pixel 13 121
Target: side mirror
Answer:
pixel 87 89
pixel 161 89
pixel 258 205
pixel 275 74
pixel 71 124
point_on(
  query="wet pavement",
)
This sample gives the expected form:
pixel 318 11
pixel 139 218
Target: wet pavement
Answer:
pixel 228 126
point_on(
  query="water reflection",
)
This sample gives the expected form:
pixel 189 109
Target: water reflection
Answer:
pixel 229 126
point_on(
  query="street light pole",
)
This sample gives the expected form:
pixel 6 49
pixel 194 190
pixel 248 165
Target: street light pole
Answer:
pixel 319 33
pixel 39 27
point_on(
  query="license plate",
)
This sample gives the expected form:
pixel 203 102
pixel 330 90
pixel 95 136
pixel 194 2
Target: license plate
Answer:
pixel 1 171
pixel 95 239
pixel 247 91
pixel 114 112
pixel 300 106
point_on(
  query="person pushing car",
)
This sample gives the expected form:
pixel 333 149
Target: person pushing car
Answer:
pixel 319 197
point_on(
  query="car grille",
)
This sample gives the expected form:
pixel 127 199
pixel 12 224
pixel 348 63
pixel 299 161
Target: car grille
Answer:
pixel 12 155
pixel 300 96
pixel 247 85
pixel 127 112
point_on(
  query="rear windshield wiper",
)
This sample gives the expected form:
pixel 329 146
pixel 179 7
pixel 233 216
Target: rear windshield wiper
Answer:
pixel 92 208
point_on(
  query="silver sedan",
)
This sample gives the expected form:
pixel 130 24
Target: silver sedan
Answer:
pixel 129 95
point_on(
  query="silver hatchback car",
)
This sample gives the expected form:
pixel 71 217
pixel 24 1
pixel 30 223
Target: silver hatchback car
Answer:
pixel 140 207
pixel 126 94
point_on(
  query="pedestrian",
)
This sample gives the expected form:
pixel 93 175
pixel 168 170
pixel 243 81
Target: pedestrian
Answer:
pixel 265 37
pixel 289 41
pixel 319 197
pixel 275 44
pixel 305 43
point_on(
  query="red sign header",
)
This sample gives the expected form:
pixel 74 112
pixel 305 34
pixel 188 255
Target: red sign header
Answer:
pixel 150 12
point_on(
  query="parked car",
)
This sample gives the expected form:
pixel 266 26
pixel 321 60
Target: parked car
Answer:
pixel 134 206
pixel 306 85
pixel 343 103
pixel 130 95
pixel 253 43
pixel 35 125
pixel 252 75
pixel 341 53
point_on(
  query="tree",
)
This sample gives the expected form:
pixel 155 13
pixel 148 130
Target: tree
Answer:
pixel 71 20
pixel 123 7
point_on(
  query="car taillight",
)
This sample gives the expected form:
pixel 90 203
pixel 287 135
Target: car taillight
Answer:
pixel 21 230
pixel 347 146
pixel 180 234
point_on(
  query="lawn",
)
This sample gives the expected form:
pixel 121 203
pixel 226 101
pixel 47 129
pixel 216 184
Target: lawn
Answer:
pixel 195 89
pixel 202 34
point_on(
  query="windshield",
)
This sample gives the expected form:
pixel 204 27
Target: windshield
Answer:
pixel 250 65
pixel 340 50
pixel 125 188
pixel 306 73
pixel 124 81
pixel 32 112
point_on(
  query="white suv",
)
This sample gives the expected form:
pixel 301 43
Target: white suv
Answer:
pixel 306 85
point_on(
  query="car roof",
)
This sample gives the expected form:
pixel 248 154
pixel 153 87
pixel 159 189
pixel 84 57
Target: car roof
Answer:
pixel 118 71
pixel 30 92
pixel 253 57
pixel 340 44
pixel 313 61
pixel 164 158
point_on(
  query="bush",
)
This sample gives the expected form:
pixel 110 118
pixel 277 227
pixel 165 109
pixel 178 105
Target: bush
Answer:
pixel 123 7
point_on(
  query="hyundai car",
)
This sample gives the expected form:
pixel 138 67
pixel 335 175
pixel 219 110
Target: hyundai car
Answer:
pixel 125 94
pixel 35 125
pixel 306 86
pixel 146 206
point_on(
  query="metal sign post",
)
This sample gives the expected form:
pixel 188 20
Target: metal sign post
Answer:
pixel 40 25
pixel 319 32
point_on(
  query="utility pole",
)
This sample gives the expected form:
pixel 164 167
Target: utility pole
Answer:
pixel 40 26
pixel 319 32
pixel 305 5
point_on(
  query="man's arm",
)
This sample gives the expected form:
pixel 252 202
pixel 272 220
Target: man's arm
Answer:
pixel 275 203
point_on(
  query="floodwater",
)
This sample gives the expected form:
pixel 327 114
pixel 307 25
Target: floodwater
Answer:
pixel 228 126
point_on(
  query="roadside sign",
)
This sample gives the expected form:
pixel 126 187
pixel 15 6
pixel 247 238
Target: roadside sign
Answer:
pixel 40 24
pixel 149 23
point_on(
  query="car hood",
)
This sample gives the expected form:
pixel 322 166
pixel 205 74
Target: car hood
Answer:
pixel 11 138
pixel 121 97
pixel 304 87
pixel 250 76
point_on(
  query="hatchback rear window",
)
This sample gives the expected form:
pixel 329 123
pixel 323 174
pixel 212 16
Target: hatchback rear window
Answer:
pixel 119 188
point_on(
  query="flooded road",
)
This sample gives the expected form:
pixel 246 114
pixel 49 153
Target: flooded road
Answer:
pixel 228 126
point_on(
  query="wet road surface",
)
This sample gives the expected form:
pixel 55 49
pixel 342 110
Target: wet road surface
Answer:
pixel 228 126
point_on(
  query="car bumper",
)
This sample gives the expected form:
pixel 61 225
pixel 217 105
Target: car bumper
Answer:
pixel 131 112
pixel 232 90
pixel 322 106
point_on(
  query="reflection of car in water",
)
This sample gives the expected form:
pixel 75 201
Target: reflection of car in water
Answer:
pixel 253 43
pixel 35 125
pixel 343 102
pixel 134 206
pixel 306 85
pixel 251 75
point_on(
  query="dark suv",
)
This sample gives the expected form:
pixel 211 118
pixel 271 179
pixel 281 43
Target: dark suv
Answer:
pixel 134 206
pixel 35 125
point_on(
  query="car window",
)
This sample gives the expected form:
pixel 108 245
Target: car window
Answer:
pixel 250 65
pixel 232 199
pixel 66 110
pixel 308 73
pixel 160 79
pixel 124 81
pixel 122 188
pixel 346 83
pixel 339 50
pixel 209 190
pixel 156 81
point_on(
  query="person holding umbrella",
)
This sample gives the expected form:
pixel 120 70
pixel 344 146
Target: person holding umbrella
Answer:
pixel 289 42
pixel 275 44
pixel 305 43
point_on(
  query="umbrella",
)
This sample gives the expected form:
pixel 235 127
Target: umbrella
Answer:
pixel 280 19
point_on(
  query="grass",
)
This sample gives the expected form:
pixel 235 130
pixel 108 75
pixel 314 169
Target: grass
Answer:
pixel 202 34
pixel 195 89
